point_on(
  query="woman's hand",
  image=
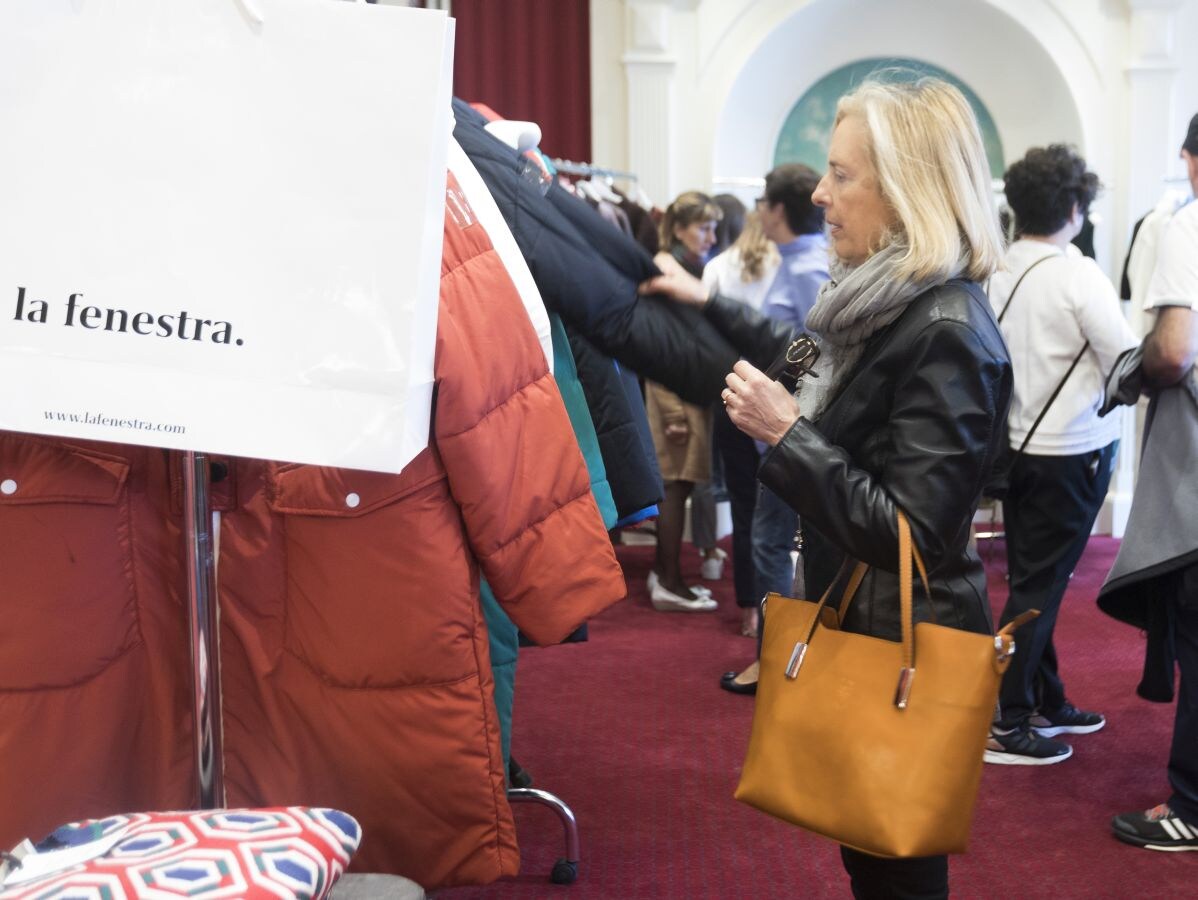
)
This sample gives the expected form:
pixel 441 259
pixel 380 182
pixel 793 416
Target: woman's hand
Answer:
pixel 678 432
pixel 675 282
pixel 757 405
pixel 667 262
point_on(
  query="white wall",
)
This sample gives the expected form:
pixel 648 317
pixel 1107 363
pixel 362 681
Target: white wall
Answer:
pixel 609 97
pixel 1048 70
pixel 1185 101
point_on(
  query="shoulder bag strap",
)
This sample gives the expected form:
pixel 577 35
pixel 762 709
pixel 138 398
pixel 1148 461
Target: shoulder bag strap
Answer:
pixel 1011 296
pixel 1060 385
pixel 1072 366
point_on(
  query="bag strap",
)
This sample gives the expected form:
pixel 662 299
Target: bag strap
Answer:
pixel 850 589
pixel 908 553
pixel 1019 281
pixel 1076 359
pixel 859 574
pixel 902 692
pixel 1048 405
pixel 1004 639
pixel 1004 642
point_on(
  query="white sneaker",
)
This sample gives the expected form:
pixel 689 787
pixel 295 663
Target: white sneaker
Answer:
pixel 712 568
pixel 652 582
pixel 667 601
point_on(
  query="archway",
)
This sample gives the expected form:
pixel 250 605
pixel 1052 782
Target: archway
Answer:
pixel 772 55
pixel 805 131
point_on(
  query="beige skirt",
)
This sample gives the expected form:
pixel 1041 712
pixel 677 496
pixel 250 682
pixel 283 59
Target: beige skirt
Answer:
pixel 679 460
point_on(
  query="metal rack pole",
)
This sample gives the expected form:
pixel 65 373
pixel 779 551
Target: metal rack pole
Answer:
pixel 204 637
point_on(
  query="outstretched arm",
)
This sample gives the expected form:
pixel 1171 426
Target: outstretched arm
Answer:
pixel 1171 347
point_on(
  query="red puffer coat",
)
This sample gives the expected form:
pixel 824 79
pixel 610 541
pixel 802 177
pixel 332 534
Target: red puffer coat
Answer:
pixel 355 668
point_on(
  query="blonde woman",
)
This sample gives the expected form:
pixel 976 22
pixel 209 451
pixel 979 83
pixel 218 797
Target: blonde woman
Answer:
pixel 745 270
pixel 914 378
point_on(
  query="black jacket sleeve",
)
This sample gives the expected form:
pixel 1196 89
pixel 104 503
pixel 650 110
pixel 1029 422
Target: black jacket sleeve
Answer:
pixel 587 271
pixel 934 453
pixel 757 338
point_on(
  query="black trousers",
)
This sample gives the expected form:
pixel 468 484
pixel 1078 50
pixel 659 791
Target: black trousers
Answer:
pixel 1047 516
pixel 874 878
pixel 740 459
pixel 1183 755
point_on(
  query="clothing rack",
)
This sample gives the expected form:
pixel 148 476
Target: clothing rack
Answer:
pixel 739 181
pixel 605 191
pixel 586 170
pixel 203 625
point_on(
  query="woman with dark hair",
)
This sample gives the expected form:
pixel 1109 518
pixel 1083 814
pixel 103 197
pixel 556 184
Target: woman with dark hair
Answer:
pixel 1064 328
pixel 681 431
pixel 731 223
pixel 703 498
pixel 913 380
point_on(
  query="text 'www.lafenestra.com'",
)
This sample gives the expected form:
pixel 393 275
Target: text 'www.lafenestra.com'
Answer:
pixel 113 422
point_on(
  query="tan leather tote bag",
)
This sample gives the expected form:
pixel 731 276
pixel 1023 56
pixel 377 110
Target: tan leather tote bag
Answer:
pixel 874 743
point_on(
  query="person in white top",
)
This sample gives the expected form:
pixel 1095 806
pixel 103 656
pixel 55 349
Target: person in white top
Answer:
pixel 1064 309
pixel 746 269
pixel 1153 584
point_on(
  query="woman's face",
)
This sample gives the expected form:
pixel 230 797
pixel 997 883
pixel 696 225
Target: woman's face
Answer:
pixel 697 237
pixel 856 214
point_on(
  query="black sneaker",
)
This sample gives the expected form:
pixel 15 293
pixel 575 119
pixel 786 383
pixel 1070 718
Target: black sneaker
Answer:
pixel 1158 828
pixel 1066 720
pixel 1021 746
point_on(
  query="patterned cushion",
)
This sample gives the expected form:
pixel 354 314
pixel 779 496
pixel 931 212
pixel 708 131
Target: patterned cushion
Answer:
pixel 231 853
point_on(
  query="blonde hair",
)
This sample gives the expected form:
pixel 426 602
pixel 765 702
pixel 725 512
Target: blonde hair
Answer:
pixel 687 208
pixel 755 249
pixel 931 167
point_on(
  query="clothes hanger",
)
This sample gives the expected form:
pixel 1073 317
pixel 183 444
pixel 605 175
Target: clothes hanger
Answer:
pixel 521 136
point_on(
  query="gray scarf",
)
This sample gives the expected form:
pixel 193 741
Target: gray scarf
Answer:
pixel 851 308
pixel 854 305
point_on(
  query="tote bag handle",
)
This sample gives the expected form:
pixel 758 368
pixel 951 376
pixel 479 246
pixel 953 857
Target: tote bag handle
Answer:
pixel 907 552
pixel 1004 644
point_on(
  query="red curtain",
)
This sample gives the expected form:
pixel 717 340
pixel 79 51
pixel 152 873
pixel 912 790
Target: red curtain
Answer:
pixel 529 60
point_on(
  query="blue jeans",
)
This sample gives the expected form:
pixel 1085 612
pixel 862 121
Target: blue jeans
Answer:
pixel 774 526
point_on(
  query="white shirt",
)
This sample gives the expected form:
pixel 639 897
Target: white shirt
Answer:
pixel 1141 262
pixel 1175 278
pixel 726 273
pixel 1061 305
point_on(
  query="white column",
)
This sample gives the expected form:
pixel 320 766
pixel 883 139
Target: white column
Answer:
pixel 1151 76
pixel 650 65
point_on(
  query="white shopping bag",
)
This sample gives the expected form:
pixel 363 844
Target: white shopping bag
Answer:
pixel 220 224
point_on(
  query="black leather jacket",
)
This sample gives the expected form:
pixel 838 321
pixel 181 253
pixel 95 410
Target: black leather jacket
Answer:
pixel 916 425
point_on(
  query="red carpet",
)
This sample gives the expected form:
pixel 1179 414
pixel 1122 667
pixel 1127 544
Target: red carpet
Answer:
pixel 632 731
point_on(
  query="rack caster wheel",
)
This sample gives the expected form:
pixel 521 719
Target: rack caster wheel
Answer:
pixel 564 871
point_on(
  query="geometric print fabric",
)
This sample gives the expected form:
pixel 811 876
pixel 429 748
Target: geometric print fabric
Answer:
pixel 284 853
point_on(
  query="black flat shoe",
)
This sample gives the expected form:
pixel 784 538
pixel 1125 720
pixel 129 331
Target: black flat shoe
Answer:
pixel 729 683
